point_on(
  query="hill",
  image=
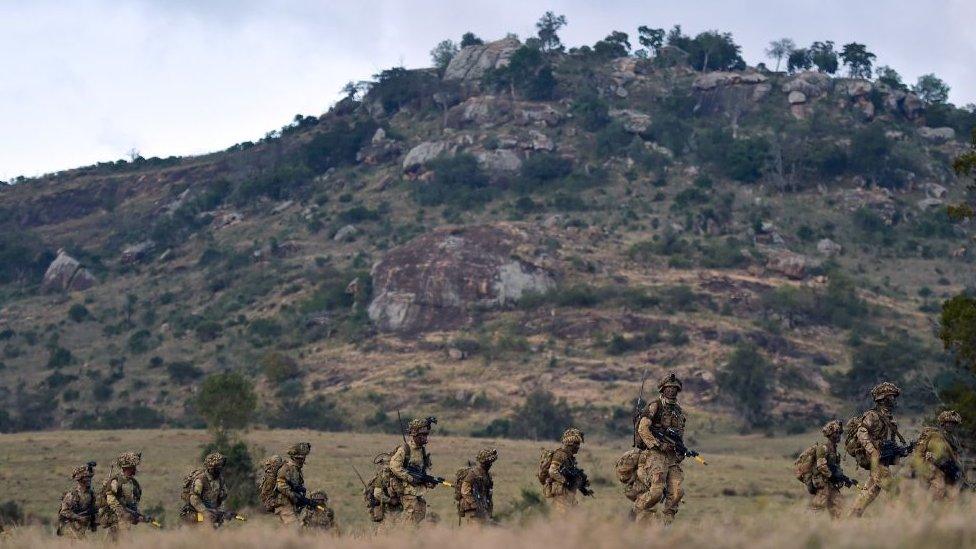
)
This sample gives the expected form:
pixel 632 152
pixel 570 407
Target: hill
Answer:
pixel 517 224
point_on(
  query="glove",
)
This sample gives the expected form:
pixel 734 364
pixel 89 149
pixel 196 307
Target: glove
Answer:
pixel 811 489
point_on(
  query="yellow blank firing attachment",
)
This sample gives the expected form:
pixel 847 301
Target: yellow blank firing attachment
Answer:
pixel 156 524
pixel 199 517
pixel 448 484
pixel 701 460
pixel 241 518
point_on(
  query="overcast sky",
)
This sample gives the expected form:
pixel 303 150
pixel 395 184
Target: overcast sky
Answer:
pixel 88 80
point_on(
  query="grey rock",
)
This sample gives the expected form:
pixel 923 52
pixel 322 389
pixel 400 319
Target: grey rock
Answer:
pixel 472 62
pixel 937 135
pixel 425 152
pixel 926 204
pixel 346 234
pixel 66 274
pixel 499 161
pixel 633 121
pixel 136 252
pixel 828 247
pixel 797 97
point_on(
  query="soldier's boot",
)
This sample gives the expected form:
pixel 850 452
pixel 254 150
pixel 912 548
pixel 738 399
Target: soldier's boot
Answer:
pixel 667 517
pixel 645 517
pixel 864 498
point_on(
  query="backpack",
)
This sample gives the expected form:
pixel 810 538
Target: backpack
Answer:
pixel 458 479
pixel 853 446
pixel 545 460
pixel 268 488
pixel 805 463
pixel 626 466
pixel 188 481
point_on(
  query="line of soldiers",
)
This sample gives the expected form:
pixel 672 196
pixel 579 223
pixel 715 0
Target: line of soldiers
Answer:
pixel 650 472
pixel 874 441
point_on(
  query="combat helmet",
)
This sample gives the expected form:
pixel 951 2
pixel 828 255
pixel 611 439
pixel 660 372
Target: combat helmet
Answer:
pixel 949 416
pixel 300 450
pixel 421 426
pixel 885 389
pixel 572 436
pixel 214 460
pixel 832 427
pixel 319 496
pixel 669 380
pixel 487 455
pixel 82 472
pixel 129 459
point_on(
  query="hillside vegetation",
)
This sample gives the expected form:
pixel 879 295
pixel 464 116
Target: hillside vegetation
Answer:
pixel 521 227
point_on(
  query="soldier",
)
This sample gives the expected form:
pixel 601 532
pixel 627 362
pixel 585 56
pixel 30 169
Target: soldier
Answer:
pixel 873 431
pixel 561 476
pixel 77 513
pixel 659 465
pixel 320 516
pixel 936 457
pixel 406 486
pixel 204 492
pixel 474 490
pixel 118 500
pixel 826 477
pixel 290 485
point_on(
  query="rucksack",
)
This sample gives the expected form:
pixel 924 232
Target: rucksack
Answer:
pixel 626 466
pixel 188 481
pixel 458 479
pixel 268 488
pixel 545 460
pixel 853 446
pixel 101 496
pixel 805 463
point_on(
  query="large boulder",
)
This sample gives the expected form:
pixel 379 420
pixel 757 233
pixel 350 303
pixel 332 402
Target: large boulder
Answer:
pixel 789 264
pixel 472 62
pixel 439 279
pixel 499 161
pixel 810 84
pixel 937 135
pixel 632 121
pixel 66 274
pixel 136 252
pixel 731 93
pixel 425 152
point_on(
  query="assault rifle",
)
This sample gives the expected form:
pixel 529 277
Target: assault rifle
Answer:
pixel 303 502
pixel 838 478
pixel 143 518
pixel 420 477
pixel 639 405
pixel 674 438
pixel 891 451
pixel 953 473
pixel 577 476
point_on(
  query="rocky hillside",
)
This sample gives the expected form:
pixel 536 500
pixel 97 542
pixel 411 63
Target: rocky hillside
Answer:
pixel 453 241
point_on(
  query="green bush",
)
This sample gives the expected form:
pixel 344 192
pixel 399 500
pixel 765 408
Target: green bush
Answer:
pixel 239 471
pixel 747 382
pixel 276 184
pixel 140 342
pixel 590 111
pixel 59 357
pixel 319 413
pixel 182 372
pixel 226 400
pixel 279 368
pixel 746 158
pixel 23 258
pixel 78 313
pixel 541 417
pixel 135 417
pixel 458 181
pixel 612 140
pixel 264 331
pixel 725 254
pixel 542 168
pixel 839 305
pixel 619 344
pixel 873 362
pixel 398 87
pixel 208 330
pixel 584 296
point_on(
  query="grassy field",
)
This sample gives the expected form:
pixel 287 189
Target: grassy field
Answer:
pixel 745 497
pixel 746 474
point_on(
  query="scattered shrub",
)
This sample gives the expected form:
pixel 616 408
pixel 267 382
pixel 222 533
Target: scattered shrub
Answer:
pixel 78 313
pixel 182 372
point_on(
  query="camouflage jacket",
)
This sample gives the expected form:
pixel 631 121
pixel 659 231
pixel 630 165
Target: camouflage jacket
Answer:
pixel 290 483
pixel 937 446
pixel 476 491
pixel 826 457
pixel 660 415
pixel 410 454
pixel 322 520
pixel 877 426
pixel 562 458
pixel 76 503
pixel 207 492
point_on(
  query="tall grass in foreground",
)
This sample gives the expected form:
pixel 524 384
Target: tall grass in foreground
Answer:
pixel 890 524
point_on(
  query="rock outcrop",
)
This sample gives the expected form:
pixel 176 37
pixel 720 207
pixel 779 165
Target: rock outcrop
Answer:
pixel 425 152
pixel 632 121
pixel 472 62
pixel 487 111
pixel 66 274
pixel 437 280
pixel 136 252
pixel 730 93
pixel 937 135
pixel 787 263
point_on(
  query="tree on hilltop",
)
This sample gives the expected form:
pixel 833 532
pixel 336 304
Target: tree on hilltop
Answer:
pixel 778 49
pixel 651 39
pixel 799 60
pixel 858 60
pixel 822 55
pixel 549 26
pixel 931 89
pixel 442 54
pixel 469 39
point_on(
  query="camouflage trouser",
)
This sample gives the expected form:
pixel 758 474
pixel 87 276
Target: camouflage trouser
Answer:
pixel 938 486
pixel 116 523
pixel 475 517
pixel 661 473
pixel 414 510
pixel 827 497
pixel 73 530
pixel 880 479
pixel 289 515
pixel 562 499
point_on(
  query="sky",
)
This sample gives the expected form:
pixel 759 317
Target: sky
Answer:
pixel 84 81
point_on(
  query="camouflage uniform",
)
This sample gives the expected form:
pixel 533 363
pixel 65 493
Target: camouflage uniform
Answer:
pixel 659 467
pixel 877 426
pixel 476 489
pixel 409 492
pixel 76 516
pixel 122 496
pixel 290 485
pixel 559 490
pixel 207 493
pixel 320 519
pixel 936 452
pixel 826 493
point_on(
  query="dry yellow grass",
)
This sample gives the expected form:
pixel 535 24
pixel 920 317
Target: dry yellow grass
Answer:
pixel 745 496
